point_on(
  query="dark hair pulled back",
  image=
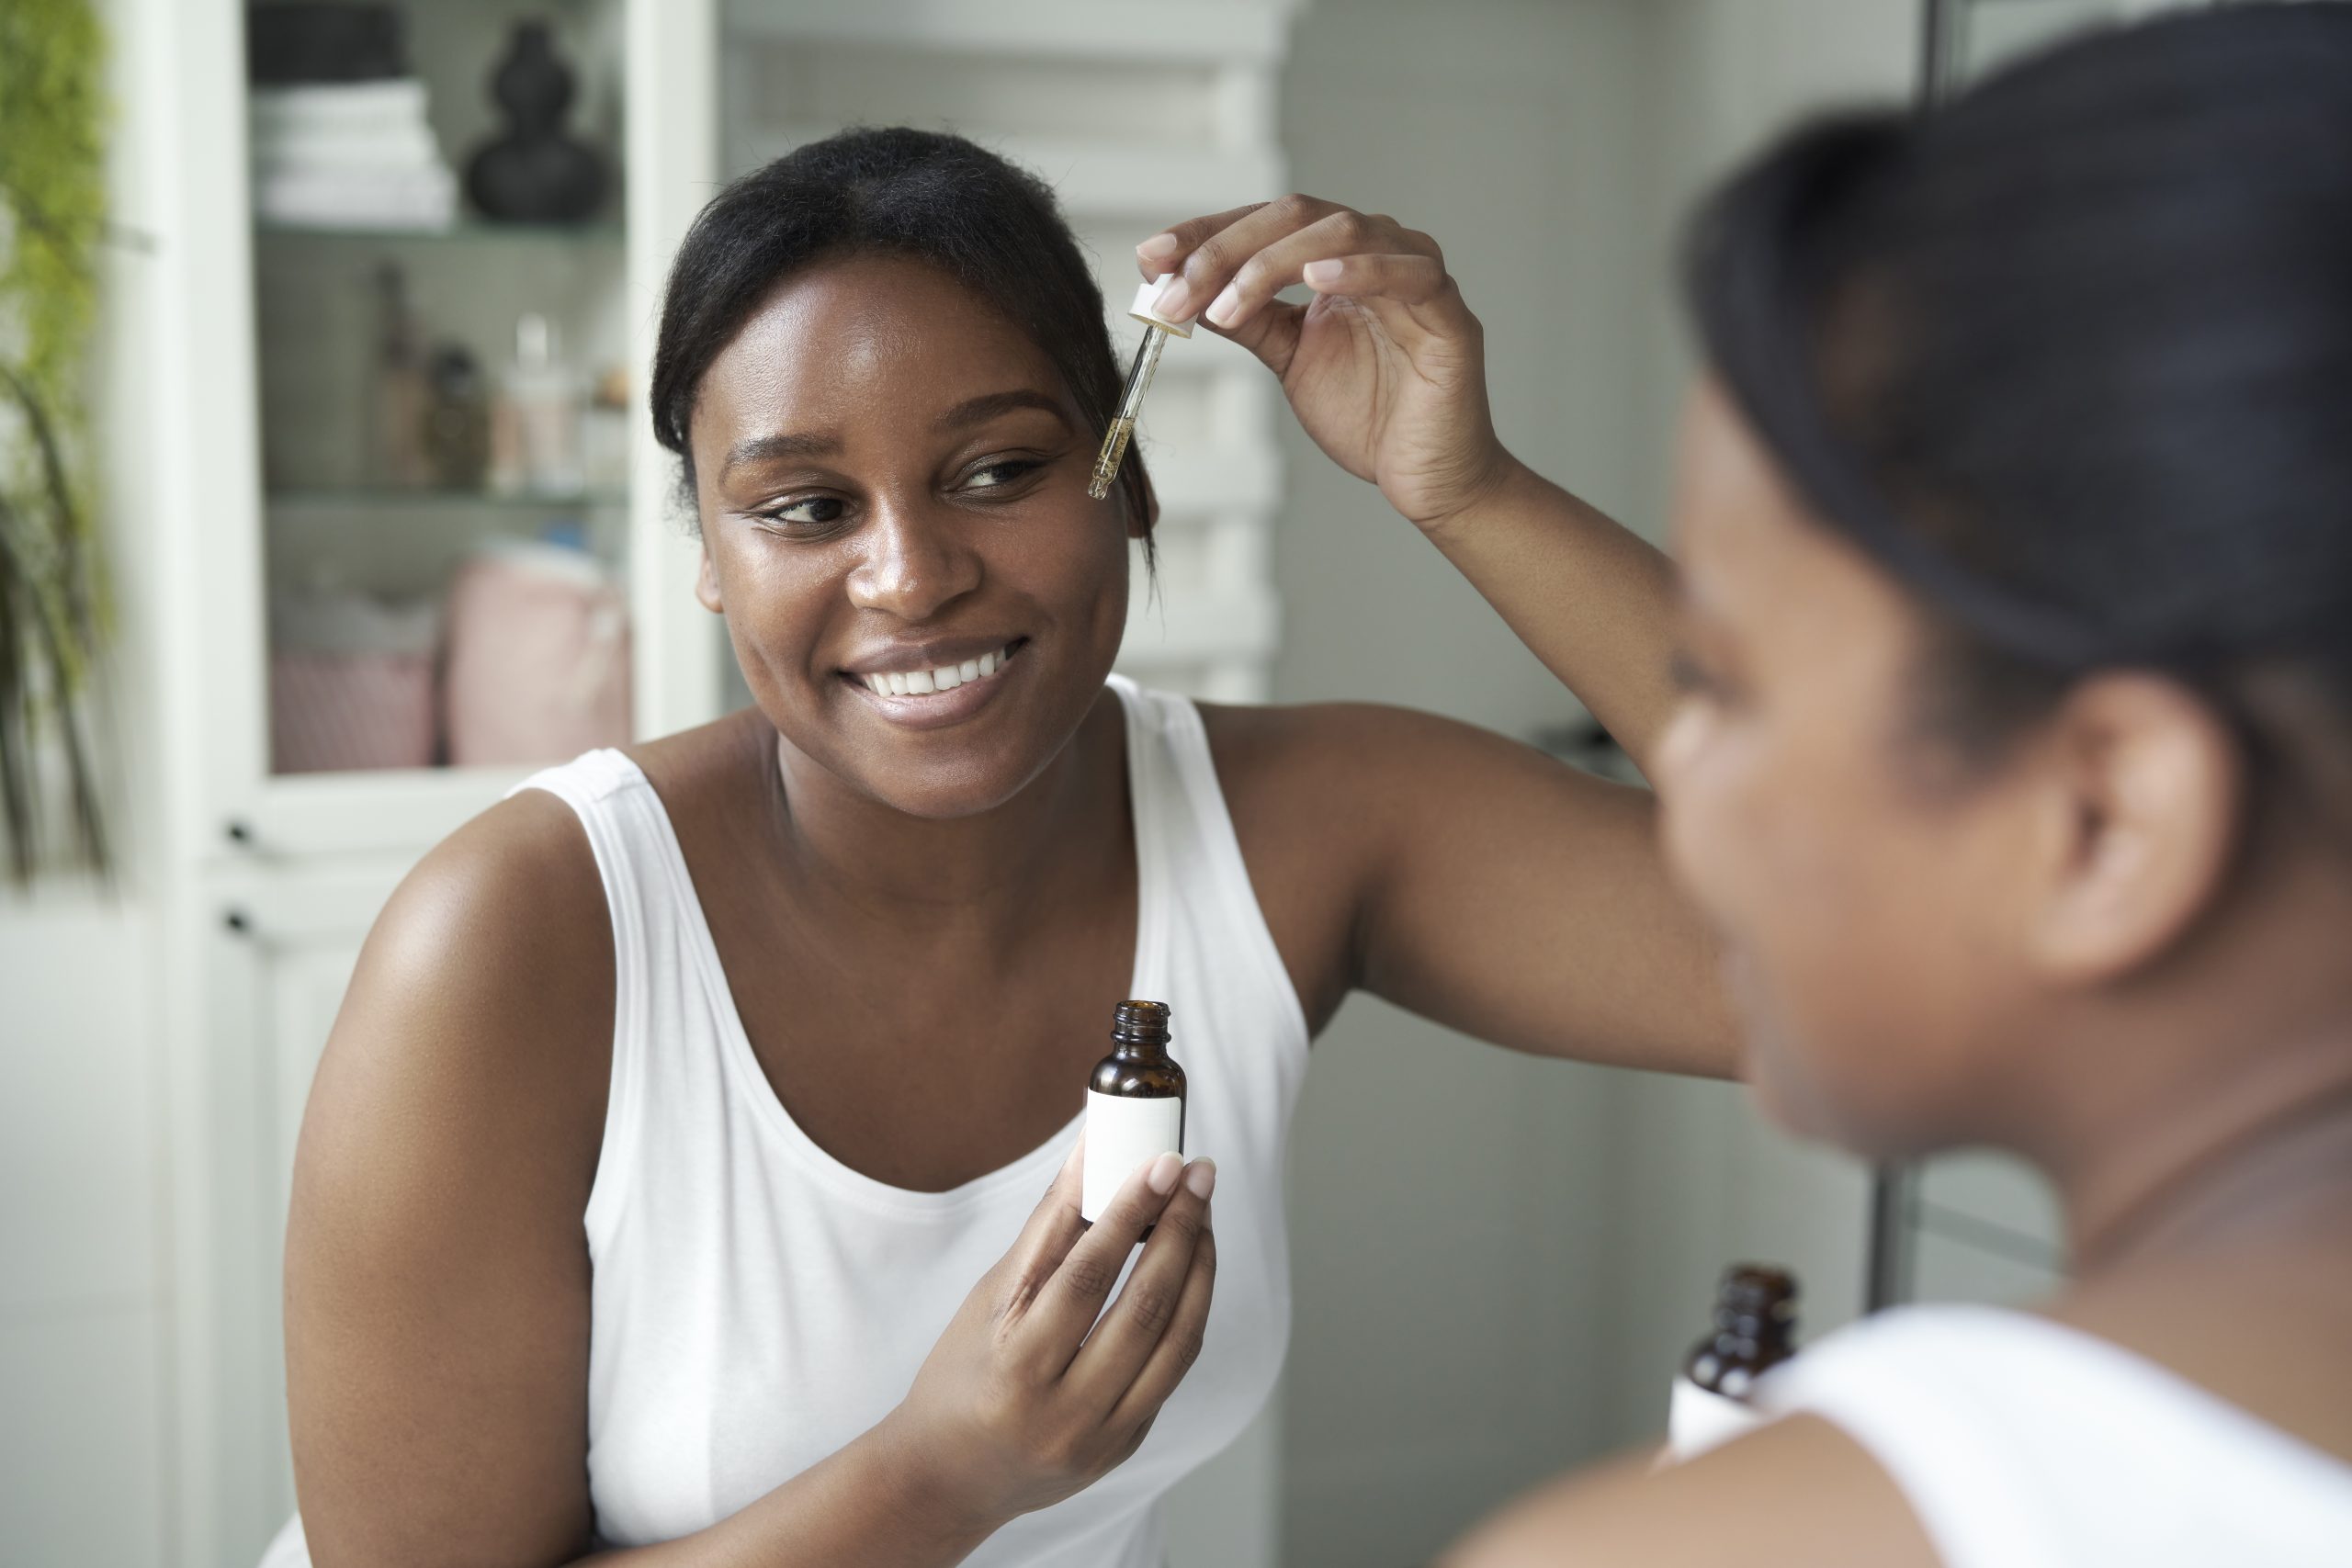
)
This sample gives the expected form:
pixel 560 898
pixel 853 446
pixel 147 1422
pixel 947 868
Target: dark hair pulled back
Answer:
pixel 2071 357
pixel 930 196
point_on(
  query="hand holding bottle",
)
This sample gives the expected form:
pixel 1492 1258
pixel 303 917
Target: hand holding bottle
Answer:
pixel 1025 1400
pixel 1386 366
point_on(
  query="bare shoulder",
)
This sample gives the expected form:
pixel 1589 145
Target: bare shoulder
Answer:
pixel 436 1268
pixel 1367 750
pixel 1331 780
pixel 1796 1491
pixel 1324 798
pixel 486 982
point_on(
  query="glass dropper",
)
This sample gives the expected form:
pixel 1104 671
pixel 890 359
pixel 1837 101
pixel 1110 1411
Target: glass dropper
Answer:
pixel 1156 331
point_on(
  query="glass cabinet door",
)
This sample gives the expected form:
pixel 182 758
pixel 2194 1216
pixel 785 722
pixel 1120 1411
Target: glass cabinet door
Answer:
pixel 440 287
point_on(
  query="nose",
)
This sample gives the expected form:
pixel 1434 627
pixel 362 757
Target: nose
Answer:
pixel 916 563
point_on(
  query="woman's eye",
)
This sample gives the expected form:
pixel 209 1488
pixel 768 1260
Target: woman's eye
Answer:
pixel 1001 474
pixel 809 512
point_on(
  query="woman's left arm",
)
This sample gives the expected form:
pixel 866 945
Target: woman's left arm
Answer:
pixel 1495 890
pixel 1386 368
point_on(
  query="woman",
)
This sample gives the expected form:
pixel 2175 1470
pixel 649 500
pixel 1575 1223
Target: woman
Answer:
pixel 671 1180
pixel 2015 772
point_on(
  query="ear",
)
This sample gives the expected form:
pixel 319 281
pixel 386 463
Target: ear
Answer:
pixel 2147 794
pixel 707 585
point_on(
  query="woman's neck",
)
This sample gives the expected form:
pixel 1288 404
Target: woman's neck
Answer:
pixel 848 852
pixel 2267 1154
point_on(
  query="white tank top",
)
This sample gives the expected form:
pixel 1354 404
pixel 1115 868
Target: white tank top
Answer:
pixel 756 1305
pixel 2024 1443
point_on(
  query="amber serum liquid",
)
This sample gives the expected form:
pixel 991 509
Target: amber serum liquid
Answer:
pixel 1134 1104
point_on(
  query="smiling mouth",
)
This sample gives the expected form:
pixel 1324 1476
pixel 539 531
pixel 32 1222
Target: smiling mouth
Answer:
pixel 940 678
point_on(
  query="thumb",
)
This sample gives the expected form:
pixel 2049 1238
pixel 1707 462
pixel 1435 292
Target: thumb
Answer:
pixel 1271 333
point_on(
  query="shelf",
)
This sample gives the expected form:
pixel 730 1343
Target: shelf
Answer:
pixel 470 232
pixel 381 499
pixel 1212 30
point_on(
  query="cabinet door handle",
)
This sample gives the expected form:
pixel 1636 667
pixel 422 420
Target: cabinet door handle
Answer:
pixel 237 920
pixel 240 832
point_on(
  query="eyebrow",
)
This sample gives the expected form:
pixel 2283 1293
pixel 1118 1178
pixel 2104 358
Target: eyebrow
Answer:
pixel 963 416
pixel 989 405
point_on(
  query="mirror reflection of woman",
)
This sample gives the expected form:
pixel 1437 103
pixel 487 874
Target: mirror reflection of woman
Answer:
pixel 2016 770
pixel 681 1179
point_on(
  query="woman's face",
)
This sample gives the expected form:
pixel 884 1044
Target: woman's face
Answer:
pixel 892 481
pixel 1865 896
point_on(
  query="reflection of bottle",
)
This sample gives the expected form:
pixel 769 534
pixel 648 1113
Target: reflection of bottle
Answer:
pixel 1756 1313
pixel 1134 1104
pixel 604 432
pixel 544 396
pixel 396 389
pixel 456 419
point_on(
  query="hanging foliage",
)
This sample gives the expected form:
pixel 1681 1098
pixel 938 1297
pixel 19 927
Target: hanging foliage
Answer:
pixel 54 604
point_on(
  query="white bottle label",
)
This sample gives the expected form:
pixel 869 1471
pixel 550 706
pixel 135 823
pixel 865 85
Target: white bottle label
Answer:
pixel 1699 1418
pixel 1122 1134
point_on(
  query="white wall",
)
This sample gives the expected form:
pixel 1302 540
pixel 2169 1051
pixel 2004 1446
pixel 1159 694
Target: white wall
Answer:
pixel 86 1415
pixel 1450 1201
pixel 1498 1260
pixel 1707 1182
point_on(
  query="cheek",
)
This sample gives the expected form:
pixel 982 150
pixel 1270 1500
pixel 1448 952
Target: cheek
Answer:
pixel 1838 957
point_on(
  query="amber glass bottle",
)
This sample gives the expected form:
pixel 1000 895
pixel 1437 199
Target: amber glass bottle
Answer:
pixel 1134 1104
pixel 1755 1319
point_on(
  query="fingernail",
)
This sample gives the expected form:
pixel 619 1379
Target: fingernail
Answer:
pixel 1158 246
pixel 1172 299
pixel 1202 1177
pixel 1226 305
pixel 1322 271
pixel 1161 1176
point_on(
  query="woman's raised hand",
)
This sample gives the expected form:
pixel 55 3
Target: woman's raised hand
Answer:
pixel 1386 366
pixel 1027 1398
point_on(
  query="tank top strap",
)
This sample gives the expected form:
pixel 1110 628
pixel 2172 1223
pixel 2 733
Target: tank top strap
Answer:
pixel 1188 852
pixel 630 835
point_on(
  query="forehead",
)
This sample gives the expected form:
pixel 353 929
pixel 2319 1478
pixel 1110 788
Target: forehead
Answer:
pixel 863 335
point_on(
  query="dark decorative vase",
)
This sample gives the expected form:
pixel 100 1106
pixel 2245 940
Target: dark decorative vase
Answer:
pixel 535 173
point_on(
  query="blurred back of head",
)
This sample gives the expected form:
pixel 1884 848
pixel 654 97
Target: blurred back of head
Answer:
pixel 2071 359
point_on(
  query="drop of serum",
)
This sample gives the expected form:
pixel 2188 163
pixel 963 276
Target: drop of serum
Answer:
pixel 1134 1104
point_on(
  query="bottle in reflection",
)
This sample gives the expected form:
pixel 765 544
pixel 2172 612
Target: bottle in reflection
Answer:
pixel 456 419
pixel 397 390
pixel 1756 1320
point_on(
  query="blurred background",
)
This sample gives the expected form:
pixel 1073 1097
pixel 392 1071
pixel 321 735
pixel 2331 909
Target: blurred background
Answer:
pixel 354 521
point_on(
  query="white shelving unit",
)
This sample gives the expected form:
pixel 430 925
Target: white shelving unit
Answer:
pixel 265 884
pixel 1137 115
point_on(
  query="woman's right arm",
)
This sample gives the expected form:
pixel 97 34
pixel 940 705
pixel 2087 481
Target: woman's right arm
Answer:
pixel 438 1276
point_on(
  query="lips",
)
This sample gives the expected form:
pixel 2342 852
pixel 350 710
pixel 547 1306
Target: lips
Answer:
pixel 927 687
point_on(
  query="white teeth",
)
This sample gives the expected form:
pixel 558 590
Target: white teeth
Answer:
pixel 946 678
